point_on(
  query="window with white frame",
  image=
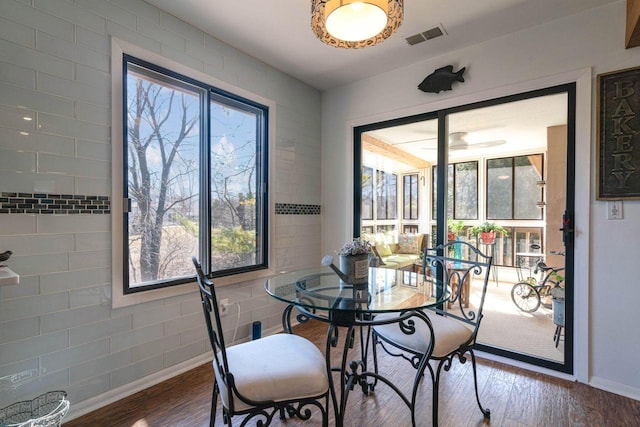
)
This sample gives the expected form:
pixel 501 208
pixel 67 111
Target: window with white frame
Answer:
pixel 195 173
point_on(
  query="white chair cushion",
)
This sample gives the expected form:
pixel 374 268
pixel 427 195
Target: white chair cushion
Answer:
pixel 449 334
pixel 277 367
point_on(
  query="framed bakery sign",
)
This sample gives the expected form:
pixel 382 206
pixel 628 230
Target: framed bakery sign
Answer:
pixel 618 146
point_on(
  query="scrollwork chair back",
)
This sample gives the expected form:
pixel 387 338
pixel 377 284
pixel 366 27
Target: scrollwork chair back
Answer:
pixel 449 332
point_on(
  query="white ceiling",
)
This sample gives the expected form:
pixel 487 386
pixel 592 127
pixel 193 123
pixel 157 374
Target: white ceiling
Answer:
pixel 278 32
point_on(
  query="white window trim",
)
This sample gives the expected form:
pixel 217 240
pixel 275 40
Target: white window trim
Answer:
pixel 118 297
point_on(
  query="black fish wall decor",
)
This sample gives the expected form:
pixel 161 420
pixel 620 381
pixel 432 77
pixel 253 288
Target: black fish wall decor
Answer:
pixel 441 79
pixel 5 256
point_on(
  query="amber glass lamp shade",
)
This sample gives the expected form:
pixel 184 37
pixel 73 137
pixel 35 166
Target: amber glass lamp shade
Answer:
pixel 354 24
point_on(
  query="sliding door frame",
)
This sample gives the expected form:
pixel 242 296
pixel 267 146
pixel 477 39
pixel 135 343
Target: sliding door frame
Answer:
pixel 441 206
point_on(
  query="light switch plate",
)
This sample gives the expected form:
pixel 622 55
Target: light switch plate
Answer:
pixel 614 209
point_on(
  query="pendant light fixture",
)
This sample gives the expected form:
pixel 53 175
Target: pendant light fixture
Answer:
pixel 354 24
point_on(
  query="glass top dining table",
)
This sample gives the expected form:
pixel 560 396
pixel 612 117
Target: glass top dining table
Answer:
pixel 387 290
pixel 318 293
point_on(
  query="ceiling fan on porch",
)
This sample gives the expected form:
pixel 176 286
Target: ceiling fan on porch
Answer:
pixel 458 141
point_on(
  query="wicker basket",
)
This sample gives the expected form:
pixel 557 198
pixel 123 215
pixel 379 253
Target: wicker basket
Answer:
pixel 46 410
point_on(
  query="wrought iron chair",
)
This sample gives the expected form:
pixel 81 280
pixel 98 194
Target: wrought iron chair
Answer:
pixel 279 374
pixel 448 333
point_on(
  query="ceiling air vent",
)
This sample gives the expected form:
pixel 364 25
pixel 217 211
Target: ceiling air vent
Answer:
pixel 433 33
pixel 425 35
pixel 415 39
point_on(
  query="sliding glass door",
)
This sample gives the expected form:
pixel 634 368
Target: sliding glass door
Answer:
pixel 508 162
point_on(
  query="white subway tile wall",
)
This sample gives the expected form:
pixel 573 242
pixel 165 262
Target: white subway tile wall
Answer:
pixel 57 327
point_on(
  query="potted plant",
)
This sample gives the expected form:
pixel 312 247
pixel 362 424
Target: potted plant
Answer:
pixel 354 260
pixel 357 246
pixel 487 232
pixel 455 227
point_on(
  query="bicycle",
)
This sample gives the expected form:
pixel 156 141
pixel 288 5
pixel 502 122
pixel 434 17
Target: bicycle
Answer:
pixel 528 296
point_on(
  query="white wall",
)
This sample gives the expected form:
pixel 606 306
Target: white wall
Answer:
pixel 571 49
pixel 57 327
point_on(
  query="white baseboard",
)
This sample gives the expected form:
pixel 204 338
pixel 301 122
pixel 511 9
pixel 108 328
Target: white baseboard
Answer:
pixel 78 409
pixel 615 387
pixel 524 365
pixel 596 382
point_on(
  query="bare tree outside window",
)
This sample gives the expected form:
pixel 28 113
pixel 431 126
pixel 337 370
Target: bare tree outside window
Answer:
pixel 175 127
pixel 162 151
pixel 234 182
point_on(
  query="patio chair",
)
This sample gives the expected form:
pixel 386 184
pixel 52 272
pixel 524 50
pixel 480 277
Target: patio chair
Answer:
pixel 279 374
pixel 447 334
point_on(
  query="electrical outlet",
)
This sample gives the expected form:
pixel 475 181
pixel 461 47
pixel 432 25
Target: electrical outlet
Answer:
pixel 224 306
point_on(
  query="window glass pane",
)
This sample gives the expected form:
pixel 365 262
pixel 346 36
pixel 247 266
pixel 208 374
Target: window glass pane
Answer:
pixel 367 193
pixel 527 171
pixel 381 196
pixel 406 197
pixel 389 230
pixel 524 238
pixel 466 190
pixel 386 192
pixel 235 187
pixel 410 196
pixel 392 198
pixel 415 200
pixel 434 192
pixel 450 191
pixel 434 236
pixel 163 138
pixel 499 187
pixel 410 229
pixel 503 249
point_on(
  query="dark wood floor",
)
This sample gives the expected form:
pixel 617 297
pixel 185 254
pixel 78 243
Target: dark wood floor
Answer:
pixel 516 398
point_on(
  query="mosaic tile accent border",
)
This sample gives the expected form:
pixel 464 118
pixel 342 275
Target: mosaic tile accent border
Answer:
pixel 297 209
pixel 41 203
